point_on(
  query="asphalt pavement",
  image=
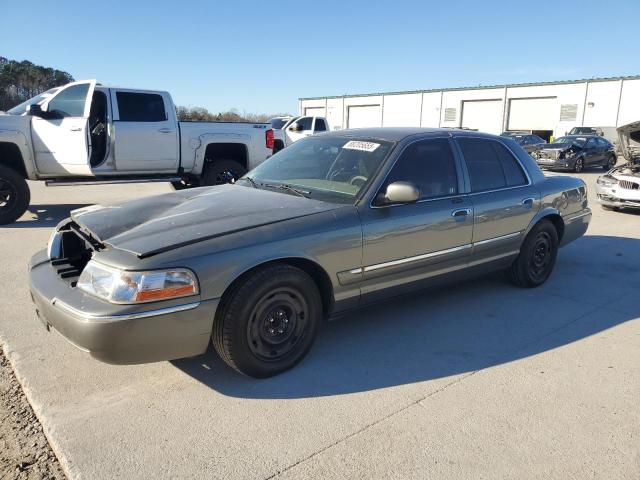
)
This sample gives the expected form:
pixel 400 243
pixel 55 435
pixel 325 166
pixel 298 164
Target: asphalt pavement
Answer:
pixel 474 380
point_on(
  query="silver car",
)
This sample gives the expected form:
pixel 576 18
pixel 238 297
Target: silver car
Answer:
pixel 332 223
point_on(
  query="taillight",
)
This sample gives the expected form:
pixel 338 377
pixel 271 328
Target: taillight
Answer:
pixel 269 138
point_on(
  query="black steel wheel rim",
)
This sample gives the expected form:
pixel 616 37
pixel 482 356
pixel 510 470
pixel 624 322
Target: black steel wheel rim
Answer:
pixel 541 256
pixel 277 324
pixel 8 195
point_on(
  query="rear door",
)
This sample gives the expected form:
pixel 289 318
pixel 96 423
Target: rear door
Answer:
pixel 319 125
pixel 504 200
pixel 593 153
pixel 60 137
pixel 409 242
pixel 146 133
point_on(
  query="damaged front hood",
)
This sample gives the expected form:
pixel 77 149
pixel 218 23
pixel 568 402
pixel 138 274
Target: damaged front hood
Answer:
pixel 629 136
pixel 627 171
pixel 558 146
pixel 155 224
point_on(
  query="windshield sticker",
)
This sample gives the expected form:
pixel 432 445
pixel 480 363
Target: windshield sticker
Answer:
pixel 363 146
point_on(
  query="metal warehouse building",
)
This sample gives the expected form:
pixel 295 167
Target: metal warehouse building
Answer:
pixel 551 108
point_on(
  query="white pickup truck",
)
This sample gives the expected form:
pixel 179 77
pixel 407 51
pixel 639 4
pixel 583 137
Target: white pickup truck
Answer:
pixel 84 133
pixel 291 129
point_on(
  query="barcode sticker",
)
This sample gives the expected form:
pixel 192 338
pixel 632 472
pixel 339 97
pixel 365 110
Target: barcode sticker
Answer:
pixel 359 145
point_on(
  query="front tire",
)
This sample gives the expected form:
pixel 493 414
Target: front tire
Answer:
pixel 14 195
pixel 267 324
pixel 220 172
pixel 537 256
pixel 611 162
pixel 579 165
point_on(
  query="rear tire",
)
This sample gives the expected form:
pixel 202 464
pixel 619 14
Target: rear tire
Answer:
pixel 220 172
pixel 14 195
pixel 268 323
pixel 537 256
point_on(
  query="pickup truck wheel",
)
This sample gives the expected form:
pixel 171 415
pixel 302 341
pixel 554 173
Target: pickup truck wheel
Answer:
pixel 14 195
pixel 537 256
pixel 219 172
pixel 268 323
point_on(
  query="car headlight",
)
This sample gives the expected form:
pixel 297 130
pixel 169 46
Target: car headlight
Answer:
pixel 119 286
pixel 607 181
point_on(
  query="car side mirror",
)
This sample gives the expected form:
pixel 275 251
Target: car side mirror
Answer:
pixel 401 192
pixel 35 109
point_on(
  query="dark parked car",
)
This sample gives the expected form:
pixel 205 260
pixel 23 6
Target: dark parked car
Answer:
pixel 531 143
pixel 331 223
pixel 577 152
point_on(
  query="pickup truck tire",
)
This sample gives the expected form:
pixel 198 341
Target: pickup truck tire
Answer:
pixel 267 323
pixel 219 172
pixel 14 195
pixel 537 256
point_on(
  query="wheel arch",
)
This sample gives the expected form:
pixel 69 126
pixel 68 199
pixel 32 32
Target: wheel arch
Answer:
pixel 553 216
pixel 15 153
pixel 310 267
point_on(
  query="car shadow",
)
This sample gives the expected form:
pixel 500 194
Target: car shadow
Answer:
pixel 450 330
pixel 45 216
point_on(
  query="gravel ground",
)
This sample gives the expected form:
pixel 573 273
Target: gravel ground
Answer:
pixel 24 450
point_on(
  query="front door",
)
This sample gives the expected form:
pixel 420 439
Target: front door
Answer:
pixel 146 132
pixel 299 129
pixel 60 135
pixel 405 243
pixel 504 200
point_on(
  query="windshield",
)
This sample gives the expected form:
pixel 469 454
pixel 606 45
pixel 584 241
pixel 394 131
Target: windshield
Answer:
pixel 22 108
pixel 582 130
pixel 278 123
pixel 328 168
pixel 579 141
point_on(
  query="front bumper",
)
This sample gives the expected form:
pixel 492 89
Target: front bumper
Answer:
pixel 120 334
pixel 555 164
pixel 615 197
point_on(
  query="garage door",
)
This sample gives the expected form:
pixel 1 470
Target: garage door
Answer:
pixel 363 116
pixel 483 115
pixel 533 113
pixel 314 112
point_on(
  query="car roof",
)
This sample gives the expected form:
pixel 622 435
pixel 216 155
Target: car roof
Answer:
pixel 395 134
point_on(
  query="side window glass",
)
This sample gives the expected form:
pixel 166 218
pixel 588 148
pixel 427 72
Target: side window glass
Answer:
pixel 320 126
pixel 491 166
pixel 512 170
pixel 140 107
pixel 430 165
pixel 305 123
pixel 485 168
pixel 70 102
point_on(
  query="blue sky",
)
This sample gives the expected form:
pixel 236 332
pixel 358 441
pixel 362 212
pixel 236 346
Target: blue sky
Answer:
pixel 260 56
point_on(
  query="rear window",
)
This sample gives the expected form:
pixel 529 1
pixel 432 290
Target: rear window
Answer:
pixel 491 166
pixel 140 107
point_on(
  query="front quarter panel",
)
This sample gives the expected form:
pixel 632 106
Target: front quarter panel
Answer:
pixel 332 240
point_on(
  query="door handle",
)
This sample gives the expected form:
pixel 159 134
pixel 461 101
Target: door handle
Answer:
pixel 75 129
pixel 528 202
pixel 463 212
pixel 165 130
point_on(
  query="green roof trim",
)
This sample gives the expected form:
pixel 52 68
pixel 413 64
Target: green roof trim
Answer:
pixel 479 87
